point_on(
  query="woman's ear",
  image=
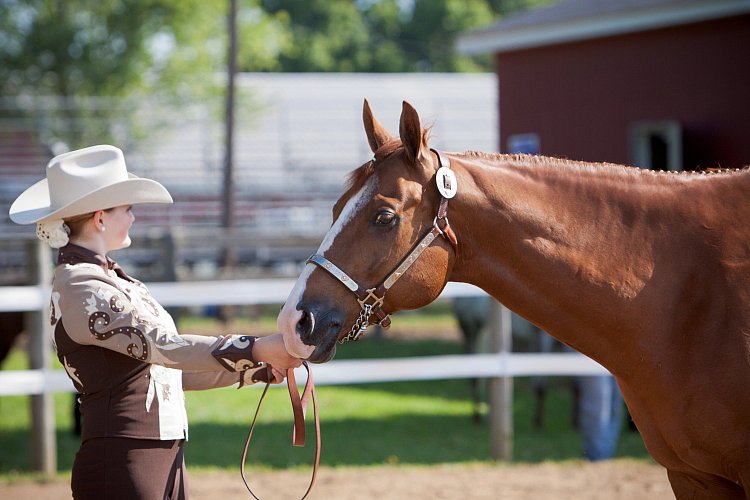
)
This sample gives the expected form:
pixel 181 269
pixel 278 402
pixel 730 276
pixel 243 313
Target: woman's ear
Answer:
pixel 98 220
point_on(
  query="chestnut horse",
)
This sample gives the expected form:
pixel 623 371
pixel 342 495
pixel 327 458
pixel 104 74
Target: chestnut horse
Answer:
pixel 646 272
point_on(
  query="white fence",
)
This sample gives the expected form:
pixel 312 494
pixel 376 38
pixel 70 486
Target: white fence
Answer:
pixel 500 367
pixel 265 291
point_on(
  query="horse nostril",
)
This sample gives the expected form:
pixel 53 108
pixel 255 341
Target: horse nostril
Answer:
pixel 306 324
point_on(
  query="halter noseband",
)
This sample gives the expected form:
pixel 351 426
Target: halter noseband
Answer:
pixel 371 299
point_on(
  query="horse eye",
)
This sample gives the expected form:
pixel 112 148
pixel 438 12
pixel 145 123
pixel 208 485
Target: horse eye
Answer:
pixel 385 218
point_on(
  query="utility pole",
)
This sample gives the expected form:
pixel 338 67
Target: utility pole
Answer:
pixel 227 216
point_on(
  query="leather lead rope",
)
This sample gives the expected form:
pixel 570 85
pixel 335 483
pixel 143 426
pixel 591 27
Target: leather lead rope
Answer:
pixel 299 409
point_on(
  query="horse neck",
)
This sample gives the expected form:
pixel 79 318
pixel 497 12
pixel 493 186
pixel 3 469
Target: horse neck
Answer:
pixel 564 246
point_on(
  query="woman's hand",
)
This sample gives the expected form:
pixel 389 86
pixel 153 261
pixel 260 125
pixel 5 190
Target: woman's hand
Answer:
pixel 271 350
pixel 278 375
pixel 267 374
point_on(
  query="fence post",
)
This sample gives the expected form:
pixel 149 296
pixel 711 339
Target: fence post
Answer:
pixel 38 328
pixel 501 388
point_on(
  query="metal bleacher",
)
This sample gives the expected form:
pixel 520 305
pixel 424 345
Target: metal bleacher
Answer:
pixel 296 138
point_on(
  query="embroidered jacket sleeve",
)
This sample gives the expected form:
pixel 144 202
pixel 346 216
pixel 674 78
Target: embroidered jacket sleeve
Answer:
pixel 200 380
pixel 99 308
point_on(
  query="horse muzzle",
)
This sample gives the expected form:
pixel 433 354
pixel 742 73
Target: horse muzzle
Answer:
pixel 310 332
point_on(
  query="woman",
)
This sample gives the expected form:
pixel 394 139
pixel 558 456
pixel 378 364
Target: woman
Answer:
pixel 118 345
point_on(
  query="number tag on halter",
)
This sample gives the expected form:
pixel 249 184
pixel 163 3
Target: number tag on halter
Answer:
pixel 446 182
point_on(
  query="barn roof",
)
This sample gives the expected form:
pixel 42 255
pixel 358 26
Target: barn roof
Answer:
pixel 573 20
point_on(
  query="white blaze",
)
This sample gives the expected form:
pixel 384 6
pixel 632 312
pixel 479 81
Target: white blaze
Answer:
pixel 289 315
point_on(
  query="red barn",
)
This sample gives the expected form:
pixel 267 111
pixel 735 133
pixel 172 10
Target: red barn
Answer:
pixel 661 84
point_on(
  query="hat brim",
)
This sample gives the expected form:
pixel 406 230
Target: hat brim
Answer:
pixel 33 205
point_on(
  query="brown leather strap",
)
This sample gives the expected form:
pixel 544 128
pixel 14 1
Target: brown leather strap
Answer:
pixel 299 409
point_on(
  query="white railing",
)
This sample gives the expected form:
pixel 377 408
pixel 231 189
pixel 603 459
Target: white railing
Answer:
pixel 499 367
pixel 496 365
pixel 275 291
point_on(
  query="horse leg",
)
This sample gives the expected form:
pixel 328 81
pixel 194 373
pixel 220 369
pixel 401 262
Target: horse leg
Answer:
pixel 544 344
pixel 477 394
pixel 471 338
pixel 11 326
pixel 540 392
pixel 575 412
pixel 700 486
pixel 471 320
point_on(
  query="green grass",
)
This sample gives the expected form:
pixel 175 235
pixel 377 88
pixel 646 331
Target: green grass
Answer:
pixel 438 316
pixel 405 422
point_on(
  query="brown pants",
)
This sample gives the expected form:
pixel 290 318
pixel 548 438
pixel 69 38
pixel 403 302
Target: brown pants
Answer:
pixel 133 469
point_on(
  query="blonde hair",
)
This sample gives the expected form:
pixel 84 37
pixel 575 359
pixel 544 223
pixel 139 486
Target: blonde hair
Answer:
pixel 75 223
pixel 57 232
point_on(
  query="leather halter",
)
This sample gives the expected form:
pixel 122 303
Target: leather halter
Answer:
pixel 371 299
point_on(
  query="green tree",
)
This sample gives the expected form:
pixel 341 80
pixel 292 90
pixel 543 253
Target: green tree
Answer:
pixel 172 48
pixel 433 29
pixel 387 22
pixel 373 35
pixel 326 35
pixel 109 47
pixel 106 48
pixel 505 7
pixel 263 37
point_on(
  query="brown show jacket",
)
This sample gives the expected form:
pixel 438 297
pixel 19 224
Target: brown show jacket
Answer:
pixel 124 355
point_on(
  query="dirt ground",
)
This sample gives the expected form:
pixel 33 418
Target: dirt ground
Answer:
pixel 610 480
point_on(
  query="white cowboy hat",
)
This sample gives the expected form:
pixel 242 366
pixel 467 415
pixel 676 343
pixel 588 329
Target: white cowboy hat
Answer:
pixel 83 181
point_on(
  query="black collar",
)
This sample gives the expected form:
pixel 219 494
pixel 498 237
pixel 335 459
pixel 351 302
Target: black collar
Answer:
pixel 75 254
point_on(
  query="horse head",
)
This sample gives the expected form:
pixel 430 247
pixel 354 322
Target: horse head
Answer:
pixel 390 203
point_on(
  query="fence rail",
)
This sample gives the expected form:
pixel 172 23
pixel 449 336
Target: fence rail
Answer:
pixel 500 367
pixel 366 371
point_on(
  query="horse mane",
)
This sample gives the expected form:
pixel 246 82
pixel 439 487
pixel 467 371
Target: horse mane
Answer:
pixel 359 176
pixel 537 160
pixel 533 160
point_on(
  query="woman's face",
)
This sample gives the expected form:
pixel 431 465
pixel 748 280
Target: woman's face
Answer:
pixel 117 222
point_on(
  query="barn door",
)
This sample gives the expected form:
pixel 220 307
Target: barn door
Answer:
pixel 656 145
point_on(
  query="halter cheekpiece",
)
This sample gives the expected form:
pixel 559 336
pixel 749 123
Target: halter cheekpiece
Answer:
pixel 371 299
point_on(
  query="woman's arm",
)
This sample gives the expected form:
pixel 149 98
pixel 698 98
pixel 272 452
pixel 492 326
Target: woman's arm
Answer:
pixel 95 310
pixel 199 381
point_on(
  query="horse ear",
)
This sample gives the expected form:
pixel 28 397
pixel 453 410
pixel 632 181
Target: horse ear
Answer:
pixel 377 135
pixel 411 134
